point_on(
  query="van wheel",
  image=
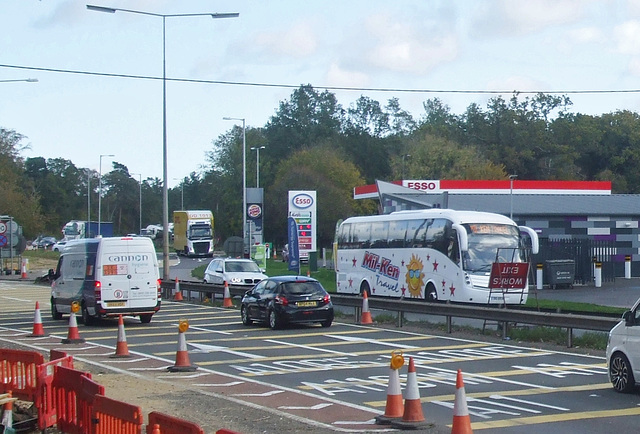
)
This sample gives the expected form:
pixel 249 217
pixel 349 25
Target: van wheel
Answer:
pixel 54 311
pixel 621 374
pixel 145 318
pixel 86 318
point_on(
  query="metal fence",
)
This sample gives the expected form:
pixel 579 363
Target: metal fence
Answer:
pixel 584 252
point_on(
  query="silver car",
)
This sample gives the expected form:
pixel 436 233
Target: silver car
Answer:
pixel 234 271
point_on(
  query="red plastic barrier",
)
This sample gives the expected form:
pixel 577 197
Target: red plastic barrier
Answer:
pixel 226 431
pixel 171 425
pixel 18 373
pixel 116 417
pixel 74 396
pixel 44 403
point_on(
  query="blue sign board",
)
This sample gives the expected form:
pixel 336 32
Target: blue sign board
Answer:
pixel 294 252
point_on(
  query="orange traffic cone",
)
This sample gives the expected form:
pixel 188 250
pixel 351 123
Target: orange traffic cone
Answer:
pixel 38 329
pixel 412 417
pixel 122 350
pixel 73 336
pixel 366 315
pixel 24 268
pixel 461 419
pixel 7 415
pixel 182 355
pixel 227 296
pixel 394 408
pixel 308 273
pixel 177 296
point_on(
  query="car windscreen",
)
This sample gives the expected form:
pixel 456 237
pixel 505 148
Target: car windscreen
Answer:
pixel 302 288
pixel 241 267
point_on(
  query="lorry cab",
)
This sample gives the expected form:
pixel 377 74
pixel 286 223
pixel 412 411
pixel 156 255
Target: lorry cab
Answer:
pixel 107 277
pixel 623 351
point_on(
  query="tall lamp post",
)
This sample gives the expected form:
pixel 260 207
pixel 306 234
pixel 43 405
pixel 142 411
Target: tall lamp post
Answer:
pixel 89 196
pixel 28 80
pixel 140 201
pixel 244 179
pixel 100 192
pixel 257 149
pixel 165 191
pixel 181 192
pixel 511 179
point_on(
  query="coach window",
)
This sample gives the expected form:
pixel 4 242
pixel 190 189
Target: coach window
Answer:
pixel 379 235
pixel 344 241
pixel 360 233
pixel 416 231
pixel 397 233
pixel 437 235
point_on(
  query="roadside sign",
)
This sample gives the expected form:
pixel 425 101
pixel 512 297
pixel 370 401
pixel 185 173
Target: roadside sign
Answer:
pixel 3 227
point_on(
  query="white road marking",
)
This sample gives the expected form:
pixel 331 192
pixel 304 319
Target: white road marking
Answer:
pixel 306 347
pixel 270 393
pixel 215 348
pixel 355 339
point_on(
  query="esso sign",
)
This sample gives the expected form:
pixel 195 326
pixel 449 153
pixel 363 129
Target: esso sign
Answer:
pixel 302 201
pixel 423 185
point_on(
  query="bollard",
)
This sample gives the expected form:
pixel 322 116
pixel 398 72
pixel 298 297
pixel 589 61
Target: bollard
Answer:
pixel 539 268
pixel 627 266
pixel 598 274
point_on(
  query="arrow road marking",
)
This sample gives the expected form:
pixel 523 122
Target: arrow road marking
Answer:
pixel 315 407
pixel 372 341
pixel 271 393
pixel 214 348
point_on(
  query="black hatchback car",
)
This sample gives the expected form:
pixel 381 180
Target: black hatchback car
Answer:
pixel 283 300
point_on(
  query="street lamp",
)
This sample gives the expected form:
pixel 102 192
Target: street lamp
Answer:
pixel 181 192
pixel 140 202
pixel 28 80
pixel 244 178
pixel 89 196
pixel 165 191
pixel 100 193
pixel 257 149
pixel 511 179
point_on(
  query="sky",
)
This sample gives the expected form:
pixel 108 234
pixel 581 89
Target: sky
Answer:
pixel 86 102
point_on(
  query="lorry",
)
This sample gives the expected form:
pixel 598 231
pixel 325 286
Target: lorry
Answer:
pixel 79 229
pixel 193 233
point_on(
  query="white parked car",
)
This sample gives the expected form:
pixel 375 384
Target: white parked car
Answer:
pixel 623 351
pixel 234 272
pixel 57 247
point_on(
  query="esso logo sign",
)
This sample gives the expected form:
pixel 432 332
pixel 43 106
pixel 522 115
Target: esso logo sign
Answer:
pixel 254 211
pixel 302 201
pixel 422 185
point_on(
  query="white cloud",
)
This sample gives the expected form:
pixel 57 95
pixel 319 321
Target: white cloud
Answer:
pixel 509 17
pixel 585 35
pixel 295 42
pixel 627 35
pixel 337 76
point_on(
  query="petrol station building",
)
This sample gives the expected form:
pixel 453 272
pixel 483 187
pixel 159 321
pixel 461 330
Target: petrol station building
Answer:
pixel 577 220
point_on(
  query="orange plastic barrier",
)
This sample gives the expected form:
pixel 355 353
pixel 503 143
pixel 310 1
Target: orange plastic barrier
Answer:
pixel 18 373
pixel 171 425
pixel 44 403
pixel 74 396
pixel 116 417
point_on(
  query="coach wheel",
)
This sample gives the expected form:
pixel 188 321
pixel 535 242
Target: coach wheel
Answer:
pixel 364 287
pixel 431 294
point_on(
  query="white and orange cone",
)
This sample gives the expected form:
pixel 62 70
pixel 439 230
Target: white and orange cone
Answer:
pixel 226 302
pixel 308 273
pixel 23 270
pixel 182 355
pixel 394 408
pixel 412 418
pixel 366 315
pixel 461 419
pixel 73 336
pixel 177 296
pixel 122 349
pixel 7 414
pixel 38 329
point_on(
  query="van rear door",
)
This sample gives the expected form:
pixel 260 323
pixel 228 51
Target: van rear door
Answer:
pixel 129 273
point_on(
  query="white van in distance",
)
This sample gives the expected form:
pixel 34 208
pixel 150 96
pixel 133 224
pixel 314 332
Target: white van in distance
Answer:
pixel 107 277
pixel 623 351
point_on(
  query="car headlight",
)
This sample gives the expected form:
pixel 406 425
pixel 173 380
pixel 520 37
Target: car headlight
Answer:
pixel 236 280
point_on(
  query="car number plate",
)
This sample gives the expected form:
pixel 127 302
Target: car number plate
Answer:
pixel 307 303
pixel 115 304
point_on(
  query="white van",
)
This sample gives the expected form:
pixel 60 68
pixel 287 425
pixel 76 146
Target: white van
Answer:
pixel 107 277
pixel 623 351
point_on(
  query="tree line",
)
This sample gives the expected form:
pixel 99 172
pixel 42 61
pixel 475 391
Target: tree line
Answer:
pixel 315 143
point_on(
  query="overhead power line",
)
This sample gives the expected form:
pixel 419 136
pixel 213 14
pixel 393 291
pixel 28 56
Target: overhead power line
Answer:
pixel 295 86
